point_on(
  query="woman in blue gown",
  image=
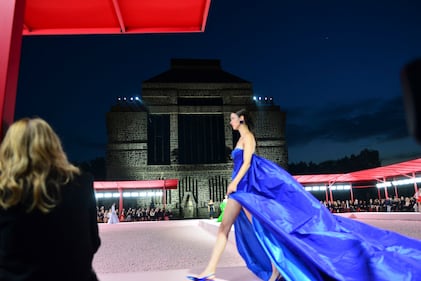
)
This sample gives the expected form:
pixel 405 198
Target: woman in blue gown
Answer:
pixel 284 233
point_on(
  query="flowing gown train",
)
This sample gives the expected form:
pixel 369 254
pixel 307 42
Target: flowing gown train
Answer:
pixel 291 229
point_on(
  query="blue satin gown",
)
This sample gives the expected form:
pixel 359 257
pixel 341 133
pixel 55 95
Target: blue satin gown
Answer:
pixel 305 241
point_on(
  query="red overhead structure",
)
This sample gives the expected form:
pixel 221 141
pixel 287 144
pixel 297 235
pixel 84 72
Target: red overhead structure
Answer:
pixel 75 17
pixel 399 169
pixel 46 17
pixel 406 168
pixel 145 184
pixel 121 186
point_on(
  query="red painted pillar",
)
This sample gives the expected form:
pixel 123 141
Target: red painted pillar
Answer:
pixel 331 195
pixel 164 194
pixel 11 25
pixel 327 196
pixel 120 202
pixel 352 194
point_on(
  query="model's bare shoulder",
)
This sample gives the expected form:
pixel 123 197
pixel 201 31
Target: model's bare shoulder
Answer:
pixel 250 139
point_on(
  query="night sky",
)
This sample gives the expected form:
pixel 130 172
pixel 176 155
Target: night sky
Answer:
pixel 332 66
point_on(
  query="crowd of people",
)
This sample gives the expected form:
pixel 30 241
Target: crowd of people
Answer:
pixel 104 215
pixel 395 204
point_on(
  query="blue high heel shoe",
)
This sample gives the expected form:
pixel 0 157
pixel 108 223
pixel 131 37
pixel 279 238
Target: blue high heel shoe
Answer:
pixel 210 277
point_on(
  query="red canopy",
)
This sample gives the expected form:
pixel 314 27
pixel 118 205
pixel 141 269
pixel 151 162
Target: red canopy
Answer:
pixel 145 184
pixel 47 17
pixel 120 186
pixel 321 178
pixel 60 17
pixel 400 169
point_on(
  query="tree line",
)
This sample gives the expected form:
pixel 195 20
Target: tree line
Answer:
pixel 366 159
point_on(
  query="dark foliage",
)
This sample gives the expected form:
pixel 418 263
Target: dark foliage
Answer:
pixel 365 160
pixel 96 167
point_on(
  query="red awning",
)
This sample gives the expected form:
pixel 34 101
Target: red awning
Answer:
pixel 145 184
pixel 75 17
pixel 54 17
pixel 394 170
pixel 322 178
pixel 400 169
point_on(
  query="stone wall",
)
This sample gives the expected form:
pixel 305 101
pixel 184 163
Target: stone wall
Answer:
pixel 127 150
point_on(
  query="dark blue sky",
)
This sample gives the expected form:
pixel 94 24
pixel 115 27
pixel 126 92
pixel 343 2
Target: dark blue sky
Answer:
pixel 333 66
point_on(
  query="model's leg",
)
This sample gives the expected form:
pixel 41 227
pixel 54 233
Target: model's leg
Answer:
pixel 231 212
pixel 275 273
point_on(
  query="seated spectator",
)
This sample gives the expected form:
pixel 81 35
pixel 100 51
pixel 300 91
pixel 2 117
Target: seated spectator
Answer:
pixel 408 205
pixel 376 205
pixel 169 214
pixel 388 204
pixel 152 214
pixel 122 215
pixel 48 221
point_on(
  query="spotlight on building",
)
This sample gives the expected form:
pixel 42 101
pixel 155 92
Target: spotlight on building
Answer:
pixel 260 100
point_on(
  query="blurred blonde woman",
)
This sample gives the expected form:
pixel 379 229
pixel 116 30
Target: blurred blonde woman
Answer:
pixel 48 224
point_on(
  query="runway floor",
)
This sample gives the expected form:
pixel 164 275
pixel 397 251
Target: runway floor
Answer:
pixel 171 250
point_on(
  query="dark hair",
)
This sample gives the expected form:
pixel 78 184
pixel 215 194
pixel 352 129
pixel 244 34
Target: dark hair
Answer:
pixel 247 118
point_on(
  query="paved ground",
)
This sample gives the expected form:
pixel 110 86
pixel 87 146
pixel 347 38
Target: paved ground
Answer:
pixel 166 250
pixel 170 250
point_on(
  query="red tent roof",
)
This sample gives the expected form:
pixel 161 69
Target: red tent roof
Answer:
pixel 380 173
pixel 47 17
pixel 399 169
pixel 322 178
pixel 145 184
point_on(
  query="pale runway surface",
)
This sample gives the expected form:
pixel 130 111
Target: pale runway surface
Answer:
pixel 165 250
pixel 171 250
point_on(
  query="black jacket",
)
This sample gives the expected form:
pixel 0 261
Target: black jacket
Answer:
pixel 59 245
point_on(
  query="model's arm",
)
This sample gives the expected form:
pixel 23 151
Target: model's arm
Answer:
pixel 248 150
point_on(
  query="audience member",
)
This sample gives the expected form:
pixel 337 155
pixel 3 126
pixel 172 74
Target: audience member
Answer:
pixel 48 224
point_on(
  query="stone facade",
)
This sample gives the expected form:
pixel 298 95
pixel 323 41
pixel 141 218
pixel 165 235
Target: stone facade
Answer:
pixel 180 129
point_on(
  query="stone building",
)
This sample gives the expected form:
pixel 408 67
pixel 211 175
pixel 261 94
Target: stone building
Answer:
pixel 180 129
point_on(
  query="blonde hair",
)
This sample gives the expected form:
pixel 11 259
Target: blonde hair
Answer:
pixel 33 166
